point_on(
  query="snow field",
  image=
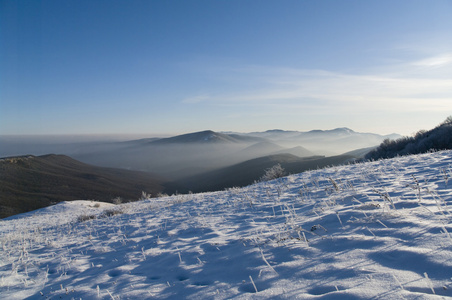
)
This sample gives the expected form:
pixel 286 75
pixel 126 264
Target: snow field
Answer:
pixel 376 230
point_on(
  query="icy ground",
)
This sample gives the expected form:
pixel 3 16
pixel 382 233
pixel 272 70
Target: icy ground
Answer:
pixel 377 230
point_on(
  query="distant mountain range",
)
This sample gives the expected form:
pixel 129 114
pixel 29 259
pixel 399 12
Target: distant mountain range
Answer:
pixel 200 161
pixel 205 137
pixel 327 142
pixel 337 135
pixel 187 154
pixel 324 142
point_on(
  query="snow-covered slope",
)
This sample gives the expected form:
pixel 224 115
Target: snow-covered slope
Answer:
pixel 378 230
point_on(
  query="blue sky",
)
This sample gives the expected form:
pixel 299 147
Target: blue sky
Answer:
pixel 169 67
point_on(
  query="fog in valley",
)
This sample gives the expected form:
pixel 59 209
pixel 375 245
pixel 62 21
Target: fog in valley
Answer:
pixel 191 154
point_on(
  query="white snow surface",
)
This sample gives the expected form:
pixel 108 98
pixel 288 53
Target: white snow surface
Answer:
pixel 376 230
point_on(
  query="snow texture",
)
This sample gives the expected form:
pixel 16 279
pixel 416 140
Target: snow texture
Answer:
pixel 376 230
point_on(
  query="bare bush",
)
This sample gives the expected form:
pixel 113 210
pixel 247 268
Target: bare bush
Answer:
pixel 274 172
pixel 84 218
pixel 112 212
pixel 117 200
pixel 145 195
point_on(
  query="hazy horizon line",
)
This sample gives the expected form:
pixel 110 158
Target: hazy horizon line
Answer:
pixel 169 134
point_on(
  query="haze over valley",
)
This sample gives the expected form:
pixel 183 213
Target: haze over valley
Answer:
pixel 193 162
pixel 175 156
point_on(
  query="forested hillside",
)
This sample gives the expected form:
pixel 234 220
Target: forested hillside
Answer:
pixel 439 138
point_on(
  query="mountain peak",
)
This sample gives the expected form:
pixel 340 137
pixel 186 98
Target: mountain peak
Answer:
pixel 206 136
pixel 343 129
pixel 340 130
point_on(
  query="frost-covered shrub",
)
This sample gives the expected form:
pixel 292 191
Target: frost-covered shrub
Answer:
pixel 112 212
pixel 274 172
pixel 84 218
pixel 439 138
pixel 117 200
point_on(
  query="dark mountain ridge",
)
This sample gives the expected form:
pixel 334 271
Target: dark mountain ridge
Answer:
pixel 247 172
pixel 31 182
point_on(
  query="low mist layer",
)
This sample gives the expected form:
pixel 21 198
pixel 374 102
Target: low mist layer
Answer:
pixel 195 153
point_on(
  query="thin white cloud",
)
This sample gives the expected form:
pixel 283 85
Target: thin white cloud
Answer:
pixel 435 61
pixel 395 89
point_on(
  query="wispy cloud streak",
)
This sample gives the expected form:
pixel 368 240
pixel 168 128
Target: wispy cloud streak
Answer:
pixel 436 61
pixel 402 87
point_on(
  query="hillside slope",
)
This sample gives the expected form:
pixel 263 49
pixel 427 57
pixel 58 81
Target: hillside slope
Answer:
pixel 378 230
pixel 32 182
pixel 248 172
pixel 438 138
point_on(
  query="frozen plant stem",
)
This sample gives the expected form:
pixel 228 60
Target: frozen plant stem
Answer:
pixel 142 252
pixel 386 198
pixel 382 223
pixel 265 260
pixel 418 187
pixel 370 231
pixel 305 239
pixel 398 282
pixel 255 288
pixel 445 175
pixel 446 232
pixel 335 185
pixel 339 218
pixel 429 282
